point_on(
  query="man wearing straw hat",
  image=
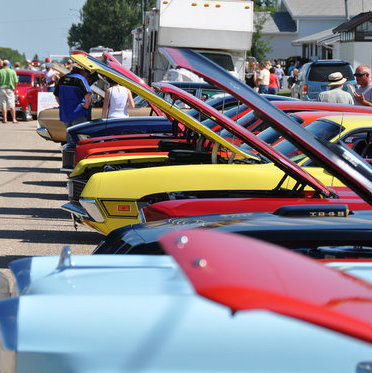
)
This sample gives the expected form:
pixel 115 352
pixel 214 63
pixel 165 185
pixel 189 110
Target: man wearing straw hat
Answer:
pixel 335 93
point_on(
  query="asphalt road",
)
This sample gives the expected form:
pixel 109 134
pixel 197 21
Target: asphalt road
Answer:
pixel 32 189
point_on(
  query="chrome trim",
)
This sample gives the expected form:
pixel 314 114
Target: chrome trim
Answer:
pixel 76 210
pixel 65 258
pixel 91 207
pixel 68 170
pixel 43 132
pixel 141 216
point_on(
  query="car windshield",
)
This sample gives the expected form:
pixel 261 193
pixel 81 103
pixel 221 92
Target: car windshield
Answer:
pixel 140 102
pixel 269 135
pixel 323 129
pixel 230 114
pixel 246 121
pixel 24 79
pixel 319 73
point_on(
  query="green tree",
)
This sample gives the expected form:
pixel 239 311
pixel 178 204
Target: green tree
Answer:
pixel 271 5
pixel 12 55
pixel 108 23
pixel 260 47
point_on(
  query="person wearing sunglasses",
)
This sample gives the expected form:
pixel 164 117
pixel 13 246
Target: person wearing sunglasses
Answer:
pixel 363 91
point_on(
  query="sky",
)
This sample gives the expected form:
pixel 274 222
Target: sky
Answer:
pixel 38 27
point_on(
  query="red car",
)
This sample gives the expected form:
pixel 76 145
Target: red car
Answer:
pixel 30 83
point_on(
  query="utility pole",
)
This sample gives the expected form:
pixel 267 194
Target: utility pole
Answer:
pixel 347 10
pixel 143 9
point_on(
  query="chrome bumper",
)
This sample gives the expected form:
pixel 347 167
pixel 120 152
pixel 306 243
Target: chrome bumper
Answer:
pixel 76 210
pixel 43 132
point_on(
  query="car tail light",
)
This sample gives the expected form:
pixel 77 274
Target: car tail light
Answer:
pixel 304 89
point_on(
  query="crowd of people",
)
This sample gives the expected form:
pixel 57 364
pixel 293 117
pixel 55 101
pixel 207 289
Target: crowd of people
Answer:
pixel 9 80
pixel 267 78
pixel 73 93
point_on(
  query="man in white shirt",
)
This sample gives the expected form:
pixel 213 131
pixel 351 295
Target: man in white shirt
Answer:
pixel 263 79
pixel 335 93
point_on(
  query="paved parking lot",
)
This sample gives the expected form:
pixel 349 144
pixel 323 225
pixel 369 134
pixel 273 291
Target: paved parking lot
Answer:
pixel 32 189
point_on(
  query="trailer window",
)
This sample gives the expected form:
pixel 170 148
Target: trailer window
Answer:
pixel 224 60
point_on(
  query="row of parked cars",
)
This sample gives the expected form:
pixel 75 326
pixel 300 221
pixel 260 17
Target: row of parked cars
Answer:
pixel 236 237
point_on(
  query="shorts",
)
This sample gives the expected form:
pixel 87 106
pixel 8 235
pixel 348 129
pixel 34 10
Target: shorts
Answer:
pixel 7 98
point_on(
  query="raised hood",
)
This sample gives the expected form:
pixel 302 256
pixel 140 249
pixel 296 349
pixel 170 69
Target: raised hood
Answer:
pixel 343 163
pixel 259 275
pixel 285 164
pixel 246 136
pixel 173 111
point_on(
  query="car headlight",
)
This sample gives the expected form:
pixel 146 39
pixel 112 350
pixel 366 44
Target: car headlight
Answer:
pixel 91 207
pixel 83 136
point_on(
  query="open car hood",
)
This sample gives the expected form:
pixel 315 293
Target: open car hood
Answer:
pixel 288 166
pixel 259 275
pixel 245 135
pixel 173 111
pixel 115 64
pixel 337 159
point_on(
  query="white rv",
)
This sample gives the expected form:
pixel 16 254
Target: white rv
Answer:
pixel 220 29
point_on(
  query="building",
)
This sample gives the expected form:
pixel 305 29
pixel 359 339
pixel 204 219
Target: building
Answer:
pixel 355 39
pixel 297 20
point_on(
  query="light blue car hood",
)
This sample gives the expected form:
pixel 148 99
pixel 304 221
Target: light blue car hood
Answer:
pixel 140 313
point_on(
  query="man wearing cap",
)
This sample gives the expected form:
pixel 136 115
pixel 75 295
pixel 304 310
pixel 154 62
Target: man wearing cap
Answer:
pixel 51 77
pixel 335 93
pixel 29 66
pixel 363 91
pixel 8 82
pixel 74 95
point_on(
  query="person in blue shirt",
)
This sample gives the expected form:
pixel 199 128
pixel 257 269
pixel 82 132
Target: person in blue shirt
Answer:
pixel 280 73
pixel 74 96
pixel 290 69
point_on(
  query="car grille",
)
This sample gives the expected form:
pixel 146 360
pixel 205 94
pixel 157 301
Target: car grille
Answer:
pixel 75 188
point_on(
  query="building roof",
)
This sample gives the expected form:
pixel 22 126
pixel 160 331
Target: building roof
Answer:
pixel 325 8
pixel 322 37
pixel 277 22
pixel 354 22
pixel 313 38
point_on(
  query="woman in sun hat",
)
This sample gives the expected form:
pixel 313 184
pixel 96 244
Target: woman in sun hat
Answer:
pixel 335 93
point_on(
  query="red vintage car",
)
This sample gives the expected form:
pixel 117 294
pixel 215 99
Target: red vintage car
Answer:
pixel 30 83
